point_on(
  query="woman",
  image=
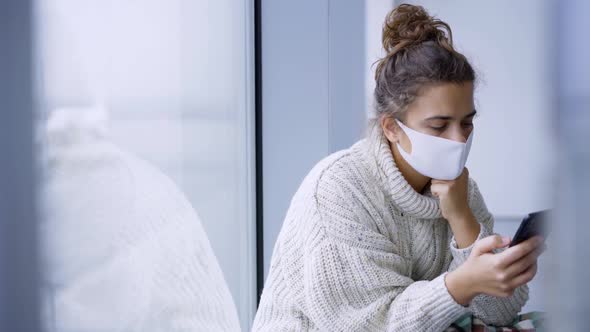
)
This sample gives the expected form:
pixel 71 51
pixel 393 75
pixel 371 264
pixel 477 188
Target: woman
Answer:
pixel 392 234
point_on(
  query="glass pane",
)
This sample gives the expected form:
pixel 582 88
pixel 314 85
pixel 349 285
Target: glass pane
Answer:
pixel 168 82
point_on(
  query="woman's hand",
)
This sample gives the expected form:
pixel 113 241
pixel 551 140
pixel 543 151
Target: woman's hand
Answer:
pixel 495 274
pixel 453 197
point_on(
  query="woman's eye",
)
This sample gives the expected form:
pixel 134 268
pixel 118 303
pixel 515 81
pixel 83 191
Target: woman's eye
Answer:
pixel 441 128
pixel 468 125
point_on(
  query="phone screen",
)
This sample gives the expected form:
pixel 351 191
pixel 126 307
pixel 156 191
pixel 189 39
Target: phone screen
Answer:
pixel 533 224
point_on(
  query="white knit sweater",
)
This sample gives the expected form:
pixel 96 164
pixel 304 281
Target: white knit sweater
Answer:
pixel 123 248
pixel 361 250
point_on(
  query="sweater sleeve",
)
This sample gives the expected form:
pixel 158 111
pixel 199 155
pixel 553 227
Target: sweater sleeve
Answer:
pixel 348 288
pixel 355 280
pixel 492 310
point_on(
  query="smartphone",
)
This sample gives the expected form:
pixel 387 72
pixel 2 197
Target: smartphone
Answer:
pixel 533 224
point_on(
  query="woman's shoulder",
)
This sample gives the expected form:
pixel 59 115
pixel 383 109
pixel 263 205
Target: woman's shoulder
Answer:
pixel 341 190
pixel 341 198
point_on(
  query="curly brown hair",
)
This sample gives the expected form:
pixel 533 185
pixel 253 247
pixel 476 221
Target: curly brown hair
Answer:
pixel 419 53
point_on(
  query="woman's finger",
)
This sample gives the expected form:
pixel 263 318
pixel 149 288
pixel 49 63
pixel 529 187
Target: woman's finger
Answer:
pixel 439 189
pixel 523 263
pixel 445 183
pixel 487 244
pixel 524 277
pixel 512 254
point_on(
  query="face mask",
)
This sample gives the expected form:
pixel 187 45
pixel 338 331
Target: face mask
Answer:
pixel 435 157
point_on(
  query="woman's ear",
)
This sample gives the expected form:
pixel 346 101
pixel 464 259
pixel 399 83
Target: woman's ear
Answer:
pixel 391 129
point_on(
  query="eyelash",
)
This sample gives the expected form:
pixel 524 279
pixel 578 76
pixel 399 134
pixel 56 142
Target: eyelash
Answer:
pixel 444 127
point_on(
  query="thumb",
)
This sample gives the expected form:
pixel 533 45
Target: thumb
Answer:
pixel 489 243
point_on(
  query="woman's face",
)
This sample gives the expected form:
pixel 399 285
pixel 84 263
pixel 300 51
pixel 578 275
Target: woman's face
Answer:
pixel 443 110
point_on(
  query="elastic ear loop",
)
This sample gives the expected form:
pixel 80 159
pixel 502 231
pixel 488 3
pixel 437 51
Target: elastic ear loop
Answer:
pixel 401 126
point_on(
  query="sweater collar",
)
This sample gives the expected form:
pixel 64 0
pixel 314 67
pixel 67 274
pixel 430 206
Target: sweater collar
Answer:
pixel 411 202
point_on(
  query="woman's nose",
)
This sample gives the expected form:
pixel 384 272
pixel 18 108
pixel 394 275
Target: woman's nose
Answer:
pixel 459 135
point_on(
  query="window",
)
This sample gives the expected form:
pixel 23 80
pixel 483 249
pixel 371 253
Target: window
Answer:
pixel 176 80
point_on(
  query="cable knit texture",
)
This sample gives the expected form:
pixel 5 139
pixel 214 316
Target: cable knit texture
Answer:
pixel 124 250
pixel 361 250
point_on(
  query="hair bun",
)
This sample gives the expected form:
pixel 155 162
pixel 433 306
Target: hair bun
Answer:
pixel 409 25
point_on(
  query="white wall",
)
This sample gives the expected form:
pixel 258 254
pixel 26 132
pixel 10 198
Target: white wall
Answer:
pixel 375 12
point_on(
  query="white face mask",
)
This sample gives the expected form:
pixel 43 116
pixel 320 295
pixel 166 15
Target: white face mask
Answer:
pixel 435 157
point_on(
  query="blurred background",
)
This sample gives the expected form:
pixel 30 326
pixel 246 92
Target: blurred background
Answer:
pixel 236 100
pixel 176 80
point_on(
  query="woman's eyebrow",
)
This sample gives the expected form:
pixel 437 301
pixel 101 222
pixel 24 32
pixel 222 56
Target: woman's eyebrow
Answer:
pixel 471 114
pixel 446 117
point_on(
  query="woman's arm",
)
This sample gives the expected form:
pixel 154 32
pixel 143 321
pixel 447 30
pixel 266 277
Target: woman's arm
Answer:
pixel 351 286
pixel 354 278
pixel 490 309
